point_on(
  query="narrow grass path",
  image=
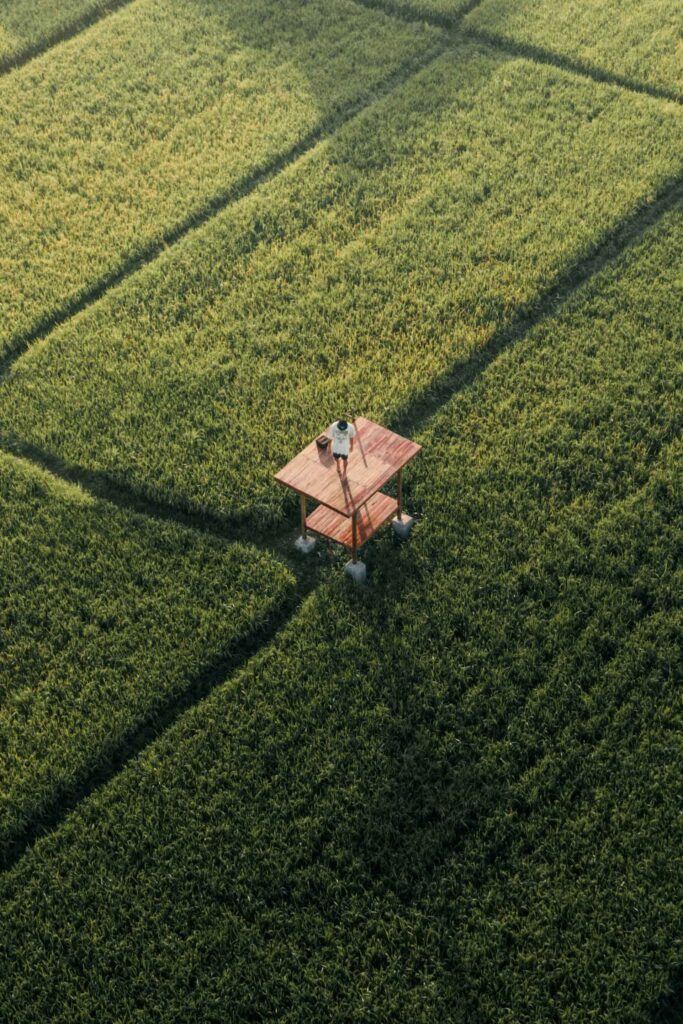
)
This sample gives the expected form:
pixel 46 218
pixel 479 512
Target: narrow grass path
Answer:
pixel 413 418
pixel 305 824
pixel 477 185
pixel 161 109
pixel 327 128
pixel 409 419
pixel 165 715
pixel 638 41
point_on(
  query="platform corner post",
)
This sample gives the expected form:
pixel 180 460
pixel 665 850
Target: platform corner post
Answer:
pixel 302 501
pixel 354 538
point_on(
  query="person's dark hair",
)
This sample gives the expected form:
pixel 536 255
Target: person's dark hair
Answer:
pixel 342 424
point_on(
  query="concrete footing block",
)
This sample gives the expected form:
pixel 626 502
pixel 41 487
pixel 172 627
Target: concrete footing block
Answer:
pixel 304 544
pixel 402 526
pixel 357 571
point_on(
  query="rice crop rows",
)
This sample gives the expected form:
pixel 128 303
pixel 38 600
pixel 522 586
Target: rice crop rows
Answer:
pixel 587 889
pixel 27 25
pixel 638 41
pixel 453 796
pixel 104 617
pixel 443 12
pixel 127 133
pixel 635 40
pixel 362 274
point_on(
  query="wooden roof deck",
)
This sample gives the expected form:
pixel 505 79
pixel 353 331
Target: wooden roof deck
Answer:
pixel 377 455
pixel 339 528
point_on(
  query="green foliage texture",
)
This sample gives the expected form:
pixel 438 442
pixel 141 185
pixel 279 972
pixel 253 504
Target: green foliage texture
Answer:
pixel 363 274
pixel 640 40
pixel 104 616
pixel 113 140
pixel 454 796
pixel 26 25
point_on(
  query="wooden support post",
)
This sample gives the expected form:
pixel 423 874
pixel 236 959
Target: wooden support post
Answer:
pixel 303 515
pixel 354 538
pixel 400 492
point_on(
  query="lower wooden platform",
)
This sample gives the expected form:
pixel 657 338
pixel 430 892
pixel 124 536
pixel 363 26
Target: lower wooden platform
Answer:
pixel 370 516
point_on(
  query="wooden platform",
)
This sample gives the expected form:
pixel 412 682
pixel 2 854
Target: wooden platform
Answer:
pixel 339 528
pixel 377 455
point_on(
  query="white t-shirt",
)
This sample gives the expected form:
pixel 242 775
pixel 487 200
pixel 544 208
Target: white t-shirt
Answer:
pixel 341 438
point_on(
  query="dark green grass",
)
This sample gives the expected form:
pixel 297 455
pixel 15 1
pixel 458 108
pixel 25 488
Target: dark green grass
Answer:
pixel 350 283
pixel 639 40
pixel 104 616
pixel 115 140
pixel 452 796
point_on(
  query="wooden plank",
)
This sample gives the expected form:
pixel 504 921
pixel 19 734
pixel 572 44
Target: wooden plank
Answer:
pixel 377 455
pixel 339 528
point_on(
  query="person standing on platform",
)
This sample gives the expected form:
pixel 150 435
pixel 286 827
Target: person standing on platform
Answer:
pixel 342 434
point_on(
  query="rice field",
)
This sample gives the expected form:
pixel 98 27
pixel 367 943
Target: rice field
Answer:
pixel 165 111
pixel 638 42
pixel 29 26
pixel 172 383
pixel 104 616
pixel 236 786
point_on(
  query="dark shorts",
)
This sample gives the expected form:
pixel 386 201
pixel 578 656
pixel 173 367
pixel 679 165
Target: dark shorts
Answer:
pixel 338 456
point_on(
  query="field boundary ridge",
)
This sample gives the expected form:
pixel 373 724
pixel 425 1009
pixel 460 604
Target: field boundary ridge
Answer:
pixel 240 190
pixel 221 671
pixel 529 51
pixel 584 69
pixel 103 487
pixel 62 35
pixel 410 418
pixel 415 414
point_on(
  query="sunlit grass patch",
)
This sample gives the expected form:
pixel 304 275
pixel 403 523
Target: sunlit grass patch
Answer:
pixel 25 25
pixel 352 283
pixel 113 140
pixel 640 40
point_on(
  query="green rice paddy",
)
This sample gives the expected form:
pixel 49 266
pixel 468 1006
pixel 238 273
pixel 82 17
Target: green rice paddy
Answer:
pixel 27 26
pixel 105 615
pixel 165 111
pixel 236 787
pixel 641 42
pixel 476 185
